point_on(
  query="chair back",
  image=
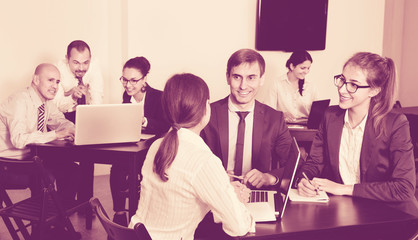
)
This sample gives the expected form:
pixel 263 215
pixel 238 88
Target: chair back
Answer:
pixel 116 231
pixel 413 125
pixel 22 174
pixel 42 209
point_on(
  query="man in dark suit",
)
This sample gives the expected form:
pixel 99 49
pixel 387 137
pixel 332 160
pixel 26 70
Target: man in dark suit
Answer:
pixel 266 138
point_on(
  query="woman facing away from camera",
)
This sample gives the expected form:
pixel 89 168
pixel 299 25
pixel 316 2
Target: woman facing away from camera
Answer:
pixel 291 93
pixel 182 179
pixel 134 80
pixel 363 149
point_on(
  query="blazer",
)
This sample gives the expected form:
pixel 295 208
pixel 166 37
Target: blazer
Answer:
pixel 153 111
pixel 387 168
pixel 271 137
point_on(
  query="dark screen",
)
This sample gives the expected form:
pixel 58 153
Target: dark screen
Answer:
pixel 290 25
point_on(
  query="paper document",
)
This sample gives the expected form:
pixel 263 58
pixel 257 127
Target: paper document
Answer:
pixel 295 197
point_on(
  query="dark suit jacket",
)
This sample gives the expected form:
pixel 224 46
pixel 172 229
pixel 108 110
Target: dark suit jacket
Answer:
pixel 157 123
pixel 271 137
pixel 387 168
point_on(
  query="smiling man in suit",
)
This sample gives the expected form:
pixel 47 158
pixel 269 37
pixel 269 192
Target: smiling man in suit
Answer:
pixel 250 138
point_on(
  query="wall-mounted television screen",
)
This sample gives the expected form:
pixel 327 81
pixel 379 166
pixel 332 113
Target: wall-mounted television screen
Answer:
pixel 289 25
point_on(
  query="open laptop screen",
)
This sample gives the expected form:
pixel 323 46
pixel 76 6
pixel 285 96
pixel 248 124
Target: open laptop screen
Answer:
pixel 108 123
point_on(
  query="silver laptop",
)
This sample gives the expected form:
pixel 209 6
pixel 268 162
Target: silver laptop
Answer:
pixel 267 206
pixel 108 123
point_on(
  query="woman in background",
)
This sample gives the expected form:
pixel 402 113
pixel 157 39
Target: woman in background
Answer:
pixel 137 90
pixel 362 148
pixel 291 93
pixel 182 179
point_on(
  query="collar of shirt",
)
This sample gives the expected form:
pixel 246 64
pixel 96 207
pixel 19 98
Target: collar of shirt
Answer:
pixel 133 100
pixel 189 136
pixel 361 126
pixel 35 97
pixel 233 108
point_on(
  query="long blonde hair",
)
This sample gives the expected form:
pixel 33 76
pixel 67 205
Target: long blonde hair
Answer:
pixel 381 74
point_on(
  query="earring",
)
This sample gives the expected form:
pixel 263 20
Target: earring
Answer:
pixel 144 87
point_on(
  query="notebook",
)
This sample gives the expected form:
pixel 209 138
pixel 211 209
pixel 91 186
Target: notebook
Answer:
pixel 321 197
pixel 267 206
pixel 108 123
pixel 315 115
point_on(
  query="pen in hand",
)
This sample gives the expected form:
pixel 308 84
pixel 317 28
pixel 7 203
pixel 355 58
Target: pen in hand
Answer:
pixel 235 176
pixel 306 177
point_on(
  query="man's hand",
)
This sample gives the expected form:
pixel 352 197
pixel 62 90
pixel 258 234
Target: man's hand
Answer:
pixel 79 91
pixel 259 179
pixel 65 134
pixel 243 193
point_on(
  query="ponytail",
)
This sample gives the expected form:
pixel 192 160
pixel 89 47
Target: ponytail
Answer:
pixel 183 108
pixel 166 153
pixel 382 103
pixel 301 82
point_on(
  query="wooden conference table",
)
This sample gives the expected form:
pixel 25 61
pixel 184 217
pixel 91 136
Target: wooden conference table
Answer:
pixel 132 154
pixel 342 217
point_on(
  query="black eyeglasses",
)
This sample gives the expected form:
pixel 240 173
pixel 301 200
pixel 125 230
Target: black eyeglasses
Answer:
pixel 339 81
pixel 131 81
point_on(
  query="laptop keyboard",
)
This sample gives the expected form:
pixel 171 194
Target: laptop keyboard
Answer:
pixel 259 196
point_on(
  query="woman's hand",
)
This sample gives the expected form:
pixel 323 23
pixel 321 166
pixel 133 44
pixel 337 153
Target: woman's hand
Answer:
pixel 333 187
pixel 243 193
pixel 305 188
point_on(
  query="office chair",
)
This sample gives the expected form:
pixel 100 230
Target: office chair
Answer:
pixel 42 210
pixel 116 231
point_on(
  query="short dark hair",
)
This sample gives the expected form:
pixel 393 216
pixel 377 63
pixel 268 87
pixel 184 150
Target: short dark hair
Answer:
pixel 139 63
pixel 245 56
pixel 79 45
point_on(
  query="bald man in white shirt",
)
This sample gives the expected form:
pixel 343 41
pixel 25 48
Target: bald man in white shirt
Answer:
pixel 22 123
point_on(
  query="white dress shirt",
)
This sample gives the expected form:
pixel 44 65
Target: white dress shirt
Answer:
pixel 19 120
pixel 93 79
pixel 197 183
pixel 284 97
pixel 350 150
pixel 233 121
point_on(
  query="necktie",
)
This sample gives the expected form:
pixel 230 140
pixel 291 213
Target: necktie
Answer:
pixel 81 100
pixel 240 143
pixel 41 118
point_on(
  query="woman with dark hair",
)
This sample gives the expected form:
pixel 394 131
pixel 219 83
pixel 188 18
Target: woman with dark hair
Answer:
pixel 182 179
pixel 137 90
pixel 363 149
pixel 134 80
pixel 291 93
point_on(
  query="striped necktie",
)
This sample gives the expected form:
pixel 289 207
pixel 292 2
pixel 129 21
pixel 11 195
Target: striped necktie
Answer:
pixel 41 118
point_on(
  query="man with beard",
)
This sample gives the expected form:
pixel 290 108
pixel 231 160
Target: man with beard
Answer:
pixel 81 79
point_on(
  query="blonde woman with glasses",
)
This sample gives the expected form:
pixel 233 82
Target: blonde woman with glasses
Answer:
pixel 363 149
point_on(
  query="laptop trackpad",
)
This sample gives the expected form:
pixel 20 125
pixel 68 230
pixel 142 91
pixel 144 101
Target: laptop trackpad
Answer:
pixel 261 211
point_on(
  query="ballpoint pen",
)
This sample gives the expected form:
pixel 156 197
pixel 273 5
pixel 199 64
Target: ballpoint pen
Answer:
pixel 306 177
pixel 235 176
